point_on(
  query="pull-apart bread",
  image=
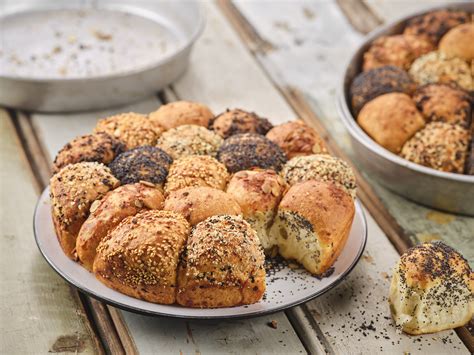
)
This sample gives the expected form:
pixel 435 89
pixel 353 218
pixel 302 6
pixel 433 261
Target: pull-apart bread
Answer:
pixel 140 256
pixel 432 289
pixel 107 213
pixel 223 265
pixel 73 190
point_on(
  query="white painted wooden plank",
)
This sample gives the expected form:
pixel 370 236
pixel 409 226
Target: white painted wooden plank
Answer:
pixel 37 311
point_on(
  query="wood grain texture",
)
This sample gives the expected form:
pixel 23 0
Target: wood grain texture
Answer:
pixel 360 16
pixel 38 312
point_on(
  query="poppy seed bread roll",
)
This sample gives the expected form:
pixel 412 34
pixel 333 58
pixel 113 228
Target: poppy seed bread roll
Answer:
pixel 180 113
pixel 258 192
pixel 73 190
pixel 238 121
pixel 107 213
pixel 198 203
pixel 140 256
pixel 223 265
pixel 432 289
pixel 313 223
pixel 249 150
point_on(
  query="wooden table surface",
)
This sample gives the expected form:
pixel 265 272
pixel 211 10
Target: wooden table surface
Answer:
pixel 283 60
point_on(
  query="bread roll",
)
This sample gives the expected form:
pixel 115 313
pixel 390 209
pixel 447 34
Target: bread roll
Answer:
pixel 250 150
pixel 320 167
pixel 432 289
pixel 144 163
pixel 238 121
pixel 196 170
pixel 140 256
pixel 459 42
pixel 73 190
pixel 106 214
pixel 180 113
pixel 297 138
pixel 189 140
pixel 313 223
pixel 132 129
pixel 198 203
pixel 258 192
pixel 100 147
pixel 223 265
pixel 390 120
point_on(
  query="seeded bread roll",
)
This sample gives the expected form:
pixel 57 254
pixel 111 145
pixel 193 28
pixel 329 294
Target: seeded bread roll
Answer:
pixel 106 214
pixel 313 223
pixel 73 190
pixel 297 138
pixel 198 203
pixel 441 102
pixel 258 192
pixel 223 265
pixel 441 146
pixel 320 167
pixel 189 140
pixel 398 50
pixel 436 67
pixel 239 121
pixel 250 150
pixel 99 147
pixel 140 256
pixel 383 80
pixel 432 289
pixel 181 113
pixel 196 170
pixel 391 120
pixel 144 163
pixel 132 129
pixel 435 24
pixel 458 42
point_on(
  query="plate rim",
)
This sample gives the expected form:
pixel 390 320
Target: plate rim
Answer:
pixel 201 317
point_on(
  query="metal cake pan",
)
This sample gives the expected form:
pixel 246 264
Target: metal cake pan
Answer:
pixel 143 58
pixel 440 190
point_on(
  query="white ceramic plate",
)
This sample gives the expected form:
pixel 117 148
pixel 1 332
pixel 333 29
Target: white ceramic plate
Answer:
pixel 285 287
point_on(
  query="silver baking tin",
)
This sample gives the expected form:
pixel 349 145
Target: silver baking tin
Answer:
pixel 440 190
pixel 102 91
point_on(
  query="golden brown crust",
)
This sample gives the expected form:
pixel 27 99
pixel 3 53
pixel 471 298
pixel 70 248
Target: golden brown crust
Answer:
pixel 297 138
pixel 238 121
pixel 322 211
pixel 106 214
pixel 180 113
pixel 458 42
pixel 132 129
pixel 198 203
pixel 390 120
pixel 100 147
pixel 196 170
pixel 140 256
pixel 73 190
pixel 441 146
pixel 398 50
pixel 223 265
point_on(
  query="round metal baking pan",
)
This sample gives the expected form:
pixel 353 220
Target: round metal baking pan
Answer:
pixel 441 190
pixel 60 56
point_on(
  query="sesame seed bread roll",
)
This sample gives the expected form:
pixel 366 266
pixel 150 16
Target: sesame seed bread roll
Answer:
pixel 297 138
pixel 132 129
pixel 238 121
pixel 258 192
pixel 107 213
pixel 100 147
pixel 140 256
pixel 180 113
pixel 223 265
pixel 73 190
pixel 196 170
pixel 313 223
pixel 198 203
pixel 432 289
